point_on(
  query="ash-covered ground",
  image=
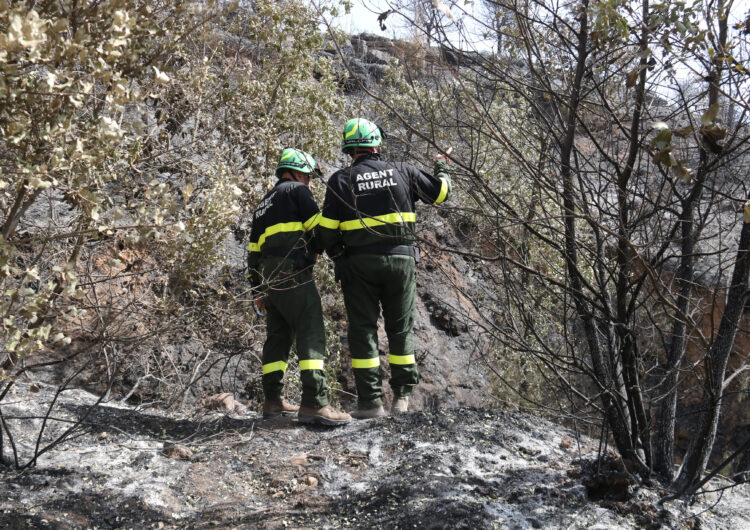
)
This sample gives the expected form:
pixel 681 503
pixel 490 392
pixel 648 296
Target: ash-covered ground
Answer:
pixel 458 468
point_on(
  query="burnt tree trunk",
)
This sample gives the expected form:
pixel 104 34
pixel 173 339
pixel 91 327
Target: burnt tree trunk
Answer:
pixel 639 423
pixel 670 370
pixel 605 367
pixel 696 458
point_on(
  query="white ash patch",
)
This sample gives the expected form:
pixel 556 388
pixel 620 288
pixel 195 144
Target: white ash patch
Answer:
pixel 463 467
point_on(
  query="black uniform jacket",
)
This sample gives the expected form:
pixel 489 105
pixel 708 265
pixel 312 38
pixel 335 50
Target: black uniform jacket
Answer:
pixel 372 203
pixel 282 225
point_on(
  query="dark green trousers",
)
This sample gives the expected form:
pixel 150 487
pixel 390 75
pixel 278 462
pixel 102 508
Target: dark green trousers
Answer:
pixel 293 314
pixel 388 281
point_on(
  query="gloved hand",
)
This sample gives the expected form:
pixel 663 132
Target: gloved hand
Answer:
pixel 342 272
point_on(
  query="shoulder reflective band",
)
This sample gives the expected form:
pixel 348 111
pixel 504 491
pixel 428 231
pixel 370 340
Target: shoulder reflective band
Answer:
pixel 294 226
pixel 312 222
pixel 311 364
pixel 366 363
pixel 401 359
pixel 325 222
pixel 253 247
pixel 443 192
pixel 278 366
pixel 379 220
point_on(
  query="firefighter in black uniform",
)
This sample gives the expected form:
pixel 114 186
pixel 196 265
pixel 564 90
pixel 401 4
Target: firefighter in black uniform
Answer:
pixel 368 229
pixel 280 261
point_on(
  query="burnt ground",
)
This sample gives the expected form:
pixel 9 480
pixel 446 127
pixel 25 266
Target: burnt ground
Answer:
pixel 460 468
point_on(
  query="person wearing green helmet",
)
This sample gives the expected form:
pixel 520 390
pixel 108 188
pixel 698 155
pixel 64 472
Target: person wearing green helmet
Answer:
pixel 280 261
pixel 367 228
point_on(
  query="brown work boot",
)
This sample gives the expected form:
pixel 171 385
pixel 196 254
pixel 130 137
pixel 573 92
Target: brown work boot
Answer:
pixel 323 415
pixel 368 414
pixel 400 405
pixel 276 406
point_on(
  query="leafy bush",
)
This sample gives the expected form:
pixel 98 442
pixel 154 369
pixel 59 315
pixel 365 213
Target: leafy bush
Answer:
pixel 134 134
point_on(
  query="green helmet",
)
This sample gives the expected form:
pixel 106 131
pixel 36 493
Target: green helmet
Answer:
pixel 297 160
pixel 359 132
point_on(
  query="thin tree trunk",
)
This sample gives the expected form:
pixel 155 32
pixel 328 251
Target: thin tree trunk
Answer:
pixel 614 410
pixel 669 371
pixel 696 458
pixel 639 422
pixel 20 205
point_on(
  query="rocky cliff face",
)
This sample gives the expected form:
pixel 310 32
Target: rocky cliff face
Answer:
pixel 368 55
pixel 462 468
pixel 449 347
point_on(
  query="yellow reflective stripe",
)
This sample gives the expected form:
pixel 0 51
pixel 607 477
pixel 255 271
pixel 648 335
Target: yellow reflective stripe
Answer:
pixel 325 222
pixel 294 226
pixel 274 367
pixel 288 155
pixel 401 359
pixel 311 364
pixel 253 247
pixel 443 192
pixel 378 220
pixel 366 363
pixel 312 222
pixel 351 133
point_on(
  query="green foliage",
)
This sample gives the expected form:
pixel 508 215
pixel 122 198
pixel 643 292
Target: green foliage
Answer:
pixel 148 127
pixel 67 74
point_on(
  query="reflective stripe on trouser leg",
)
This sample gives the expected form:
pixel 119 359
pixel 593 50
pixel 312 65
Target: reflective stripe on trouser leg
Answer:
pixel 275 367
pixel 401 360
pixel 311 364
pixel 399 294
pixel 296 303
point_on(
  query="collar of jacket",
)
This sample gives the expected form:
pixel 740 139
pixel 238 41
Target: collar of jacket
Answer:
pixel 283 181
pixel 369 156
